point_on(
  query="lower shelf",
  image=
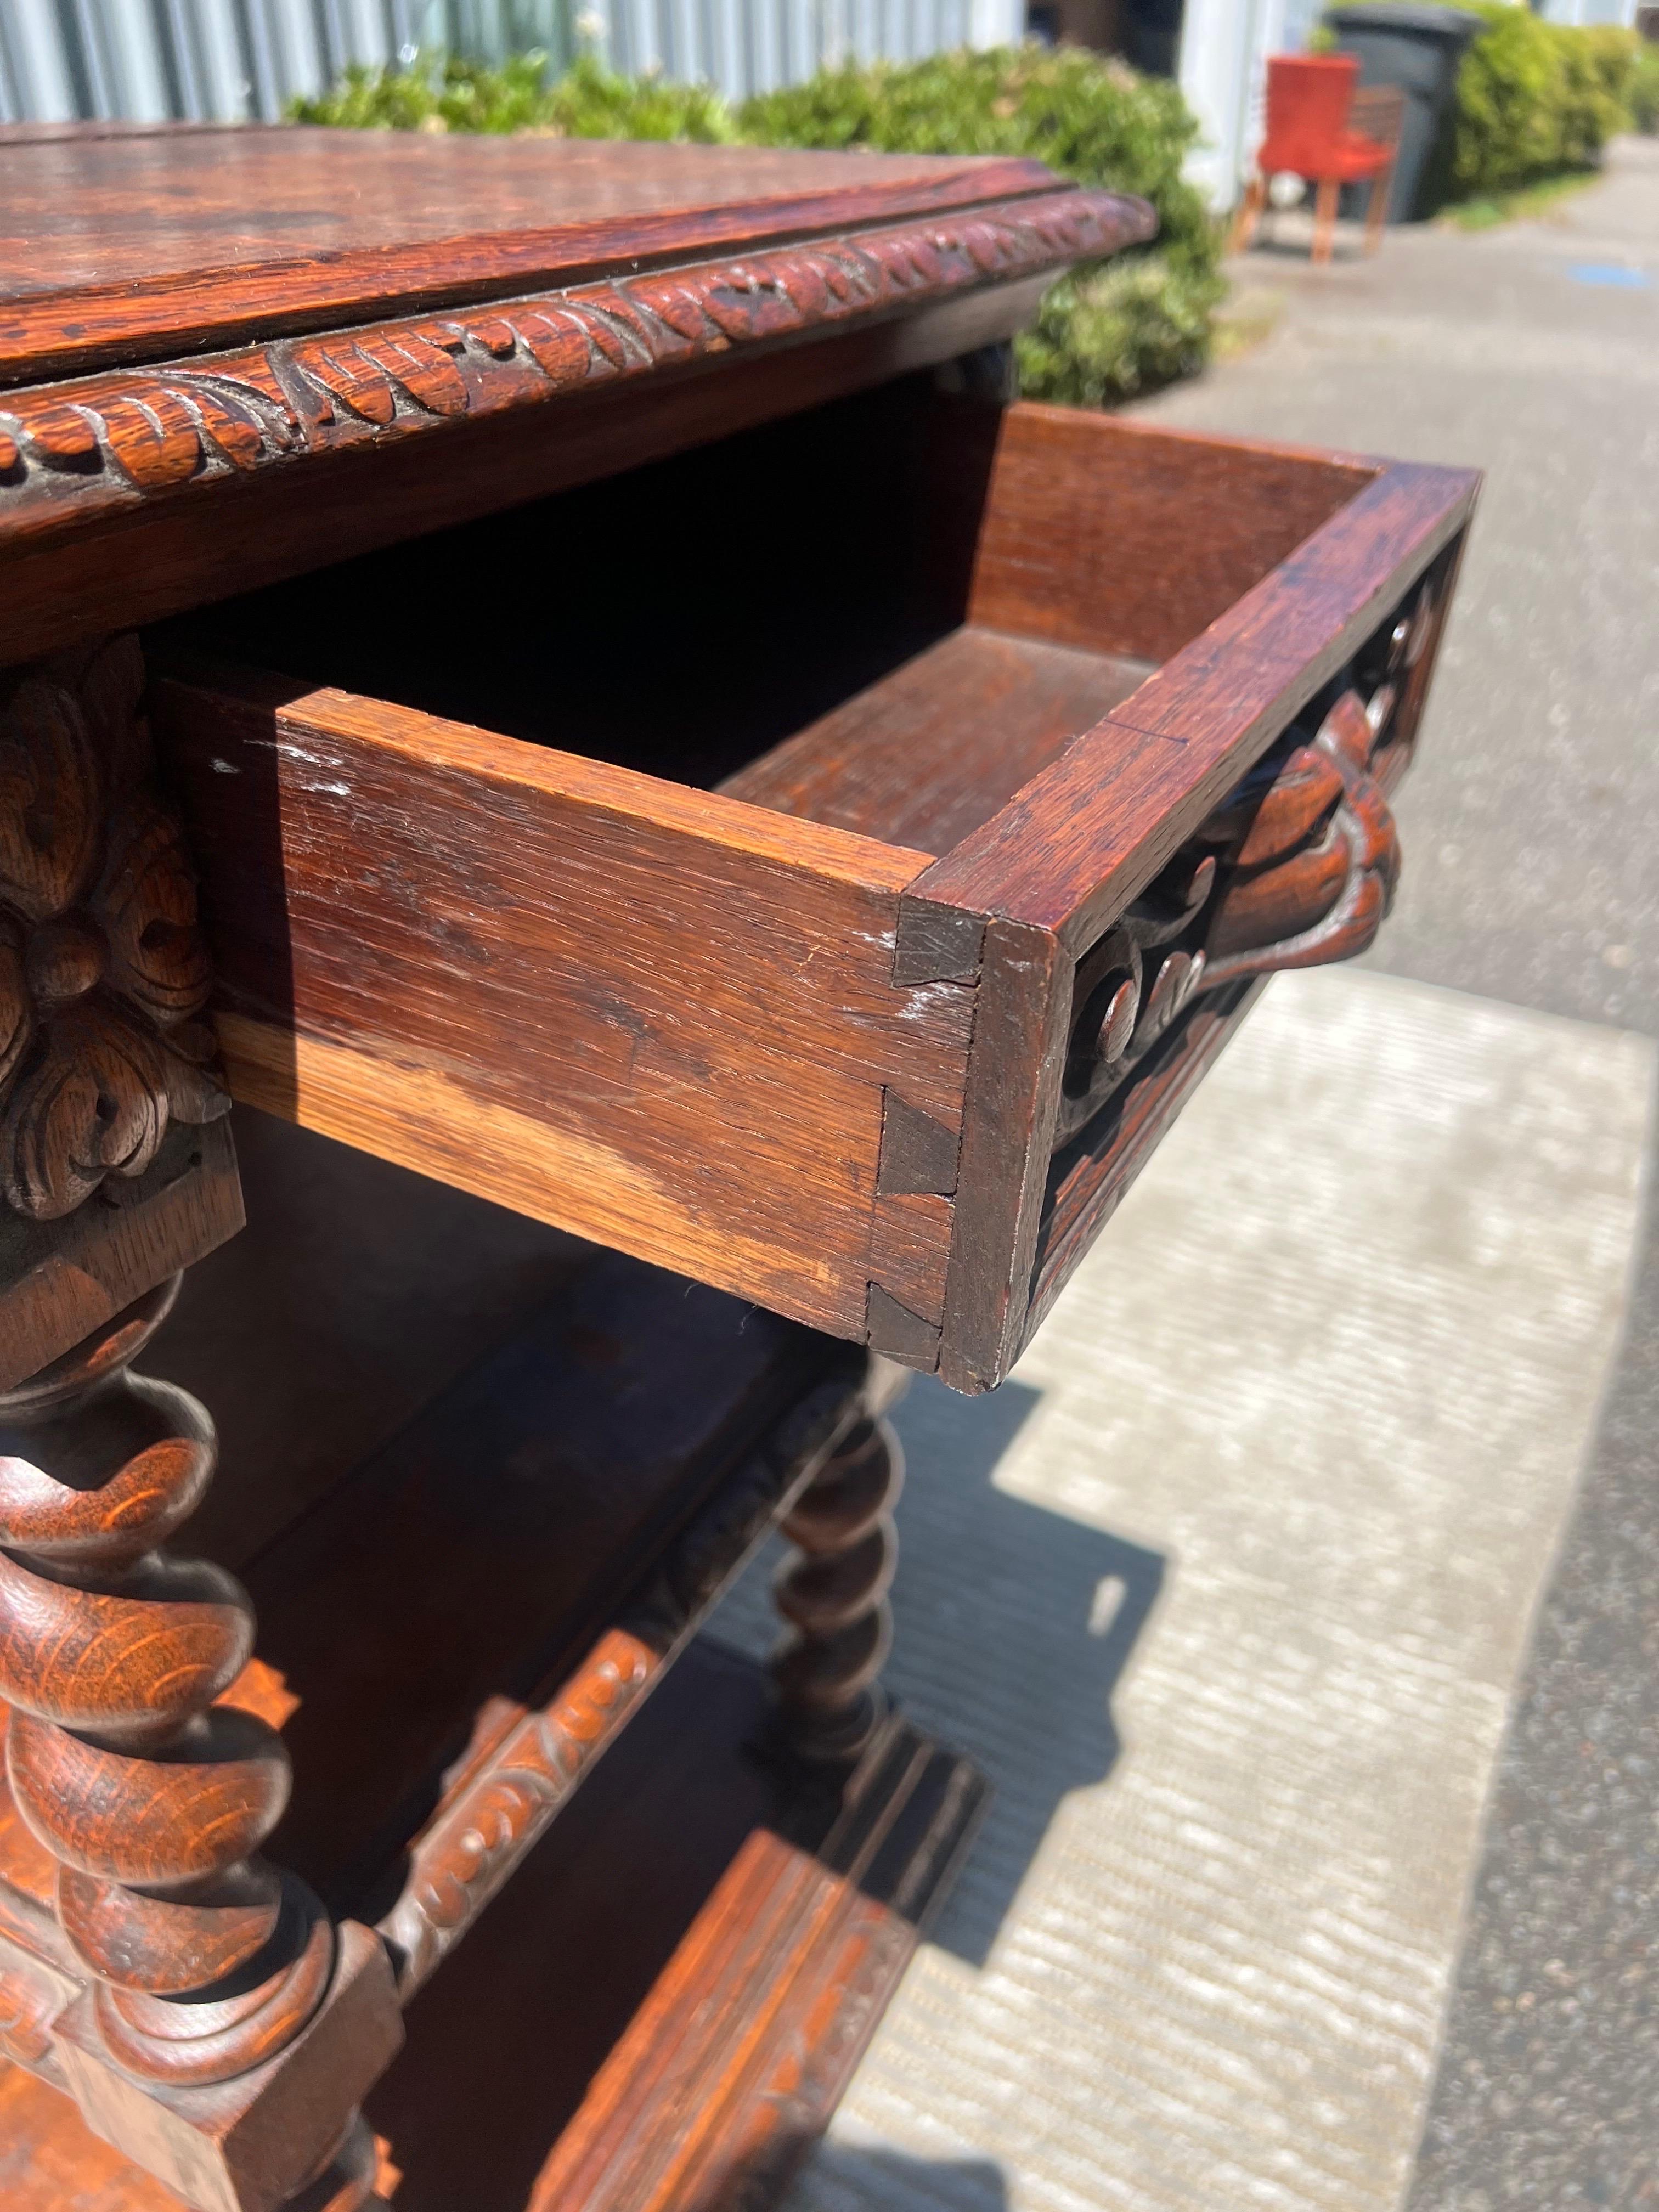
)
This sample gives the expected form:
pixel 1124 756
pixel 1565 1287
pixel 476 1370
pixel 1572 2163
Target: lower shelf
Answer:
pixel 663 2008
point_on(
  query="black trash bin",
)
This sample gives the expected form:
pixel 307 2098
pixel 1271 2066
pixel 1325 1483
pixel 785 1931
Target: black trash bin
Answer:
pixel 1417 49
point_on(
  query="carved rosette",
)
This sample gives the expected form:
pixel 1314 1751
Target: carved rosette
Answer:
pixel 103 974
pixel 1297 868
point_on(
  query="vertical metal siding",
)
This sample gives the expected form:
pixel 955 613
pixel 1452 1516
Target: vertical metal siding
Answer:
pixel 241 60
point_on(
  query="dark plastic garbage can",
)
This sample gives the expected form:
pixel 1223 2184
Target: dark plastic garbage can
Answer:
pixel 1417 49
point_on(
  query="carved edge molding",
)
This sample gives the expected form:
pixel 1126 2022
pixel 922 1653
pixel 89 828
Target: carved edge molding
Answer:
pixel 492 1816
pixel 72 446
pixel 103 973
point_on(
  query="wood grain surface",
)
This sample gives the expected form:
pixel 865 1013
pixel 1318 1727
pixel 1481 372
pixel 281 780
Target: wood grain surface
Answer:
pixel 1070 850
pixel 924 755
pixel 214 433
pixel 1128 538
pixel 107 556
pixel 659 1019
pixel 116 247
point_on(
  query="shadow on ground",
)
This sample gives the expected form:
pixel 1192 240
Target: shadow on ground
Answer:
pixel 1026 1692
pixel 848 2178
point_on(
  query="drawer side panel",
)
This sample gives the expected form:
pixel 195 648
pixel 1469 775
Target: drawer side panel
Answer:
pixel 655 1017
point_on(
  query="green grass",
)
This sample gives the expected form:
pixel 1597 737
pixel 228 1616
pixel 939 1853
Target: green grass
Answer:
pixel 1527 202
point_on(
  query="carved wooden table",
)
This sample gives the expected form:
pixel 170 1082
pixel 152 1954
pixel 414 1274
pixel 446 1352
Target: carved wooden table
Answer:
pixel 559 669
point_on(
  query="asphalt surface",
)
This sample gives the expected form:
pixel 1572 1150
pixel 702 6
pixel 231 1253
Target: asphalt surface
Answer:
pixel 1531 825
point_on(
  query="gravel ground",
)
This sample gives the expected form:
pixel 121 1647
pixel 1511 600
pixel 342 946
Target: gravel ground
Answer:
pixel 1530 828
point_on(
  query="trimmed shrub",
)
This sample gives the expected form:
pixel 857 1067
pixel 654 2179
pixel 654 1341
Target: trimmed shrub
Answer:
pixel 588 101
pixel 1534 99
pixel 1643 99
pixel 1107 329
pixel 1111 328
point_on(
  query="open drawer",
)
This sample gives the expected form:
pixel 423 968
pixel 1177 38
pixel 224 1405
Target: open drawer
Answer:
pixel 820 863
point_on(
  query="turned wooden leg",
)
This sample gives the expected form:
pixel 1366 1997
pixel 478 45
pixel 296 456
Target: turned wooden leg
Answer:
pixel 1376 208
pixel 223 2030
pixel 1249 214
pixel 834 1597
pixel 152 1798
pixel 1325 199
pixel 152 1794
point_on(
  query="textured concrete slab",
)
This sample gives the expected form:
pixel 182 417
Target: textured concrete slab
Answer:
pixel 1227 1590
pixel 1530 827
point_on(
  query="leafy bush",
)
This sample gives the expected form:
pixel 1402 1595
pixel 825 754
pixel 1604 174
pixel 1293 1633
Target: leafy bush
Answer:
pixel 1108 328
pixel 1532 99
pixel 1536 97
pixel 588 101
pixel 1642 97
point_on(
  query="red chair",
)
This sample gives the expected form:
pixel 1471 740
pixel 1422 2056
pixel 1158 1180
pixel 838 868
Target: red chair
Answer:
pixel 1310 98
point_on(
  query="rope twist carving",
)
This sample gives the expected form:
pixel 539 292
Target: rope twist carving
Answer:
pixel 153 1795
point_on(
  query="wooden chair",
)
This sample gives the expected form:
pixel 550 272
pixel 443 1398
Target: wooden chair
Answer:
pixel 1312 107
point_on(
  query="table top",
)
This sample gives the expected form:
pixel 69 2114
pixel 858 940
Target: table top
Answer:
pixel 128 246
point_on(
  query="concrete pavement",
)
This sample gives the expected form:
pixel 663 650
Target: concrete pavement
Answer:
pixel 1243 1590
pixel 1531 828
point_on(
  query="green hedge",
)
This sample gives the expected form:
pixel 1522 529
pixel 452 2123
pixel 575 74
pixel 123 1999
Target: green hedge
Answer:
pixel 1535 98
pixel 588 101
pixel 1108 330
pixel 1643 96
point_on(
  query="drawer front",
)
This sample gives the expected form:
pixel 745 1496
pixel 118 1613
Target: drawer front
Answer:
pixel 788 1037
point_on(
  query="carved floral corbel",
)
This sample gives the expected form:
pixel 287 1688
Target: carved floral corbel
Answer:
pixel 1297 868
pixel 103 973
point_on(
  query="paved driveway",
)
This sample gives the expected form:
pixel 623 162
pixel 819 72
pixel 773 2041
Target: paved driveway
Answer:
pixel 1242 1589
pixel 1532 835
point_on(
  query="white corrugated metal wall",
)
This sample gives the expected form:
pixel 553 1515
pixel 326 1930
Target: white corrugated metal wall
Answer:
pixel 234 60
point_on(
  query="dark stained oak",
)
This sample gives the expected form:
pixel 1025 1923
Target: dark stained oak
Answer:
pixel 109 1086
pixel 648 971
pixel 643 1436
pixel 932 751
pixel 661 261
pixel 833 1596
pixel 991 803
pixel 1102 820
pixel 1125 536
pixel 133 1767
pixel 637 728
pixel 120 246
pixel 76 567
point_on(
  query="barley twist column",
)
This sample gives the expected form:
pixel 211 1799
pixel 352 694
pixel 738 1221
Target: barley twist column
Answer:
pixel 834 1596
pixel 152 1798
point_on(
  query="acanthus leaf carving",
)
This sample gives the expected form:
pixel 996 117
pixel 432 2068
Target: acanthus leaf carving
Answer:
pixel 123 434
pixel 102 966
pixel 48 800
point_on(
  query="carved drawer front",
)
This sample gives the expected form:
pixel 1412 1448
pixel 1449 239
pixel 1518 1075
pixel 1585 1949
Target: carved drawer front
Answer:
pixel 821 863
